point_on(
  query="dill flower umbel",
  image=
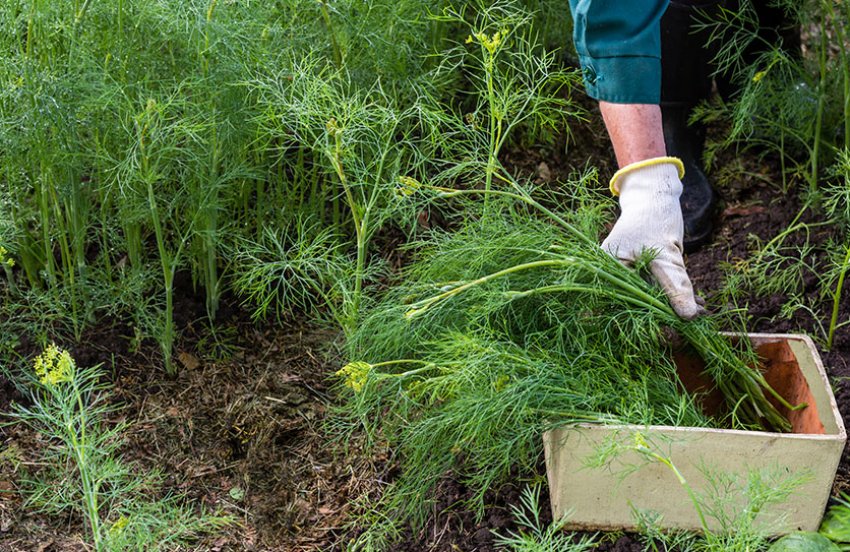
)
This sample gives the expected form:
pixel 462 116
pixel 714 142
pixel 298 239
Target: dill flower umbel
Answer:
pixel 119 526
pixel 407 186
pixel 355 374
pixel 5 259
pixel 54 365
pixel 490 43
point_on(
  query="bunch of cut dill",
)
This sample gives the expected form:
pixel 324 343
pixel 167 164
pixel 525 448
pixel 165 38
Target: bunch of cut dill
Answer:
pixel 517 322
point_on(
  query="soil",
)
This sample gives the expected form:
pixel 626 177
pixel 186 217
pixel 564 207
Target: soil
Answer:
pixel 243 427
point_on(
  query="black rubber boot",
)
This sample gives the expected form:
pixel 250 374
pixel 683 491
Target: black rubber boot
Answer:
pixel 685 81
pixel 699 199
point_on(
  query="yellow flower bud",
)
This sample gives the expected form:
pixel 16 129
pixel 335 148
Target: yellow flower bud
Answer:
pixel 54 366
pixel 408 185
pixel 355 374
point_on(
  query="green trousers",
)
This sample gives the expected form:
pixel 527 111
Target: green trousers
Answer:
pixel 619 47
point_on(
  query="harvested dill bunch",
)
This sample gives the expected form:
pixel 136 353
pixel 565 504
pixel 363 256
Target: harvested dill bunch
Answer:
pixel 516 323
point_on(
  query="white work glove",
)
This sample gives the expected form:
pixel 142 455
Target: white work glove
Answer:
pixel 651 218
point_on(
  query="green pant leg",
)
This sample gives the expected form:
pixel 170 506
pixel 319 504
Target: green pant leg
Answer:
pixel 619 47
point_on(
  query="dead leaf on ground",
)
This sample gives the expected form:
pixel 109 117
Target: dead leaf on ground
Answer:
pixel 743 210
pixel 544 172
pixel 188 360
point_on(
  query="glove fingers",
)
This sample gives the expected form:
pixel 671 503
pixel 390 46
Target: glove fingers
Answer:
pixel 613 248
pixel 673 278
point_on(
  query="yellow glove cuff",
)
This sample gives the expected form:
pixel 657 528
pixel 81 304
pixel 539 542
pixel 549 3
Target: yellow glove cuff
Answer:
pixel 615 190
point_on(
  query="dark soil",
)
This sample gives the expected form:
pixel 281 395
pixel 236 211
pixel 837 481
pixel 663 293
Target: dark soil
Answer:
pixel 247 408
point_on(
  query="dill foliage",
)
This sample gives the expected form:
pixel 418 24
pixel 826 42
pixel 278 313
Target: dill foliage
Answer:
pixel 515 323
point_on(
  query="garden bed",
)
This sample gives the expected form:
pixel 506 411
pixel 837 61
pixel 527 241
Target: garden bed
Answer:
pixel 246 409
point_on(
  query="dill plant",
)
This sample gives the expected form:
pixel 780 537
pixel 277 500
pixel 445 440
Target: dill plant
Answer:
pixel 302 265
pixel 733 505
pixel 85 474
pixel 795 106
pixel 139 140
pixel 361 142
pixel 517 321
pixel 728 506
pixel 87 210
pixel 533 536
pixel 798 107
pixel 518 90
pixel 510 326
pixel 837 201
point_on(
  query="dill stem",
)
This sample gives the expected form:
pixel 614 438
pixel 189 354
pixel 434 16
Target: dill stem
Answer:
pixel 166 338
pixel 529 201
pixel 836 298
pixel 359 231
pixel 79 446
pixel 841 37
pixel 44 211
pixel 337 53
pixel 429 302
pixel 399 361
pixel 81 12
pixel 494 124
pixel 813 183
pixel 681 479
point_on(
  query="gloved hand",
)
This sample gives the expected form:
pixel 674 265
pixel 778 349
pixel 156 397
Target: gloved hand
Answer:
pixel 651 218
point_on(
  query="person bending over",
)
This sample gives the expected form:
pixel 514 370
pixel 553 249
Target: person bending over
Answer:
pixel 648 65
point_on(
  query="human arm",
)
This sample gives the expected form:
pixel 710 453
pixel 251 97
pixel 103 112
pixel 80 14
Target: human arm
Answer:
pixel 619 47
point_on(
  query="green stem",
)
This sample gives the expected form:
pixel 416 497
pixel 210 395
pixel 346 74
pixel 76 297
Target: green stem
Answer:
pixel 813 184
pixel 840 39
pixel 494 125
pixel 836 298
pixel 79 447
pixel 44 211
pixel 166 262
pixel 337 53
pixel 421 306
pixel 78 18
pixel 360 221
pixel 680 478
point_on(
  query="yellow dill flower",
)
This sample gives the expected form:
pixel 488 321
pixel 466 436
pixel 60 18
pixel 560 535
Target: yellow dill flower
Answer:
pixel 355 374
pixel 119 525
pixel 758 76
pixel 4 258
pixel 490 43
pixel 640 442
pixel 408 186
pixel 54 366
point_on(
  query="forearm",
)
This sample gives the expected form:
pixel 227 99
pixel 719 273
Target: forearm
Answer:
pixel 635 131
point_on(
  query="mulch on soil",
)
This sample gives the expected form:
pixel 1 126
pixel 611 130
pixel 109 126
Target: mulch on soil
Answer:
pixel 241 427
